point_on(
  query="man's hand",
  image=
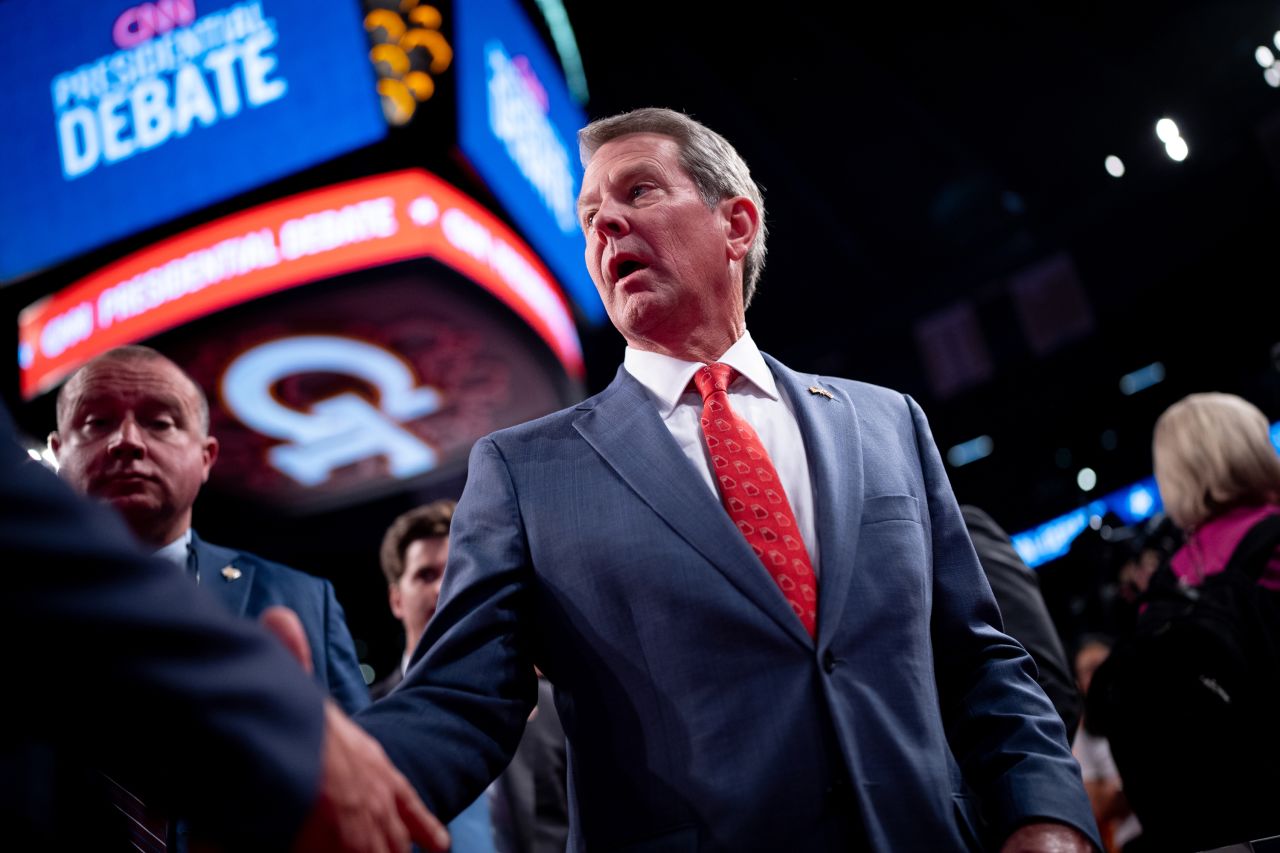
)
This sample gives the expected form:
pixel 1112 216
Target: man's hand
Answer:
pixel 364 803
pixel 287 628
pixel 1047 838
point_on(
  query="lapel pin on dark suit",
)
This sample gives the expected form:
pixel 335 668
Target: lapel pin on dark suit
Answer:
pixel 821 392
pixel 231 573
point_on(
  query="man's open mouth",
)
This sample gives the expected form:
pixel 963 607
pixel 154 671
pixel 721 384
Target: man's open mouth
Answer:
pixel 626 267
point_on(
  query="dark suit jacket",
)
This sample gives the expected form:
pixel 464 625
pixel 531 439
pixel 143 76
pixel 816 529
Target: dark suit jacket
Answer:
pixel 257 584
pixel 1026 618
pixel 700 715
pixel 384 686
pixel 127 666
pixel 530 799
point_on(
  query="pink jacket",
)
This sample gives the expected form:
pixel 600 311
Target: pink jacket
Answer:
pixel 1207 549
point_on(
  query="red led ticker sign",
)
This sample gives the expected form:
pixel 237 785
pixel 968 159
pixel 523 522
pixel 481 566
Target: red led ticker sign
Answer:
pixel 291 242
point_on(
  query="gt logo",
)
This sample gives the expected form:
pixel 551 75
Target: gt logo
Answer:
pixel 339 430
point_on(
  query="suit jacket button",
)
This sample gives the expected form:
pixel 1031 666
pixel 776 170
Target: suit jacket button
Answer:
pixel 828 661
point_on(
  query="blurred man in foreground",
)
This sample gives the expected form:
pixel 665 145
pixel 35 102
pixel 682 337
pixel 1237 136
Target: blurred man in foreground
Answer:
pixel 129 667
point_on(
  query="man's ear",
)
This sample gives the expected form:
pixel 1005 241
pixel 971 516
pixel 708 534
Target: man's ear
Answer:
pixel 393 598
pixel 742 222
pixel 55 444
pixel 210 452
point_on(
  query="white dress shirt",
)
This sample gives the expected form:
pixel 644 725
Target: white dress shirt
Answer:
pixel 176 551
pixel 755 397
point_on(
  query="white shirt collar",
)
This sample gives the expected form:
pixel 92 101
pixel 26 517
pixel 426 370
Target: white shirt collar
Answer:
pixel 176 551
pixel 668 378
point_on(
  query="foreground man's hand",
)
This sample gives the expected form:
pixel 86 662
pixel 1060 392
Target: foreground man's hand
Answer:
pixel 364 804
pixel 1047 838
pixel 285 625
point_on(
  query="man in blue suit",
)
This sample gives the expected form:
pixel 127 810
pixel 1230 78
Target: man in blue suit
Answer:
pixel 752 588
pixel 133 431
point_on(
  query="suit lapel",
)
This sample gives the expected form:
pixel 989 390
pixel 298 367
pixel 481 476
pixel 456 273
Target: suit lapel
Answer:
pixel 231 588
pixel 833 445
pixel 625 429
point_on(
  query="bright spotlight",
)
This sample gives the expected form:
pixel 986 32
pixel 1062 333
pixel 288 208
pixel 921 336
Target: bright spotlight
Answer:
pixel 1272 76
pixel 1142 378
pixel 1177 149
pixel 1264 57
pixel 1275 39
pixel 1141 503
pixel 1166 130
pixel 970 451
pixel 1086 479
pixel 1115 166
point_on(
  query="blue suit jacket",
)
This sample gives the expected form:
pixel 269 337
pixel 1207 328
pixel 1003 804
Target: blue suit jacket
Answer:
pixel 700 715
pixel 260 584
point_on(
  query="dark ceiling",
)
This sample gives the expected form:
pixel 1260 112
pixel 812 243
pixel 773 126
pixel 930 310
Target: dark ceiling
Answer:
pixel 935 189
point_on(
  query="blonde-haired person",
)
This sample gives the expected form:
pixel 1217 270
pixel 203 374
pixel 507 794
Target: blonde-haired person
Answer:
pixel 1187 703
pixel 1219 475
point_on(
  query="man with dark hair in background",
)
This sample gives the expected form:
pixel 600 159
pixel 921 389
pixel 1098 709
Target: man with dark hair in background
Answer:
pixel 133 431
pixel 527 812
pixel 414 552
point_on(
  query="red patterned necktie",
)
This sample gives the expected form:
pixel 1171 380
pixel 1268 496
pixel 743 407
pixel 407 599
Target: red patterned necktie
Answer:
pixel 753 495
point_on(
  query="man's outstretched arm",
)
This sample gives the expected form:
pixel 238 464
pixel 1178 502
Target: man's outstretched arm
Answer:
pixel 454 722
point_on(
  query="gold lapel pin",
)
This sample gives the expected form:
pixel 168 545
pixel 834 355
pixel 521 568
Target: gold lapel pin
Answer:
pixel 231 573
pixel 821 392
